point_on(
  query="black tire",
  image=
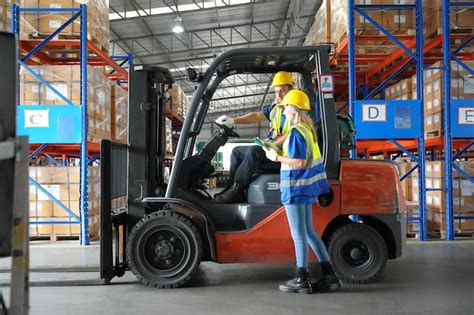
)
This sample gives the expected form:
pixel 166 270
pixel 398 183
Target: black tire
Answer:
pixel 358 253
pixel 164 249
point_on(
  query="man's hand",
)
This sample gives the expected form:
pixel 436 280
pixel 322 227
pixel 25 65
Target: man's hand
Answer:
pixel 271 154
pixel 226 121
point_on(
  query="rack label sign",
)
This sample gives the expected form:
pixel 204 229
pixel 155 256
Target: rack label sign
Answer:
pixel 386 119
pixel 374 112
pixel 466 116
pixel 50 123
pixel 36 118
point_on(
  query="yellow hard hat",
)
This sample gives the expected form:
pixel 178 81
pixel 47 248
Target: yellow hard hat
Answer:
pixel 296 98
pixel 282 78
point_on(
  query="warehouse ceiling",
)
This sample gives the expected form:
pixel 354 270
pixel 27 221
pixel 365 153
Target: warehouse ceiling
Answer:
pixel 144 28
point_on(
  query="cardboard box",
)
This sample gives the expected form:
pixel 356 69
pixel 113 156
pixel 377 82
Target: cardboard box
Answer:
pixel 467 224
pixel 434 123
pixel 41 209
pixel 69 192
pixel 398 20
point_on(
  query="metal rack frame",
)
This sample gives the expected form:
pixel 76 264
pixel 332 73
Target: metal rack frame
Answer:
pixel 89 54
pixel 417 43
pixel 448 56
pixel 395 64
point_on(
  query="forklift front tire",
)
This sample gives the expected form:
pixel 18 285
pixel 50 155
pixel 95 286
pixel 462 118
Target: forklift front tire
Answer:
pixel 358 253
pixel 164 249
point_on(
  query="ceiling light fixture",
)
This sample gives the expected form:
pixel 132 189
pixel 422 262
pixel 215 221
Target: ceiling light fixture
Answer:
pixel 178 26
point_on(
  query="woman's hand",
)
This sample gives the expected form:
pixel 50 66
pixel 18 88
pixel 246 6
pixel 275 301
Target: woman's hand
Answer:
pixel 271 154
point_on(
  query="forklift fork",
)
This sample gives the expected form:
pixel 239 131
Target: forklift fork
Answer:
pixel 113 223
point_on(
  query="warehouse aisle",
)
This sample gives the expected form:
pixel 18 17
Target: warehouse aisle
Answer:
pixel 434 277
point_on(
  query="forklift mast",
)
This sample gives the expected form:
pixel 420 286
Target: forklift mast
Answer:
pixel 147 133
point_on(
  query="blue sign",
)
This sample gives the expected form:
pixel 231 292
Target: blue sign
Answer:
pixel 50 123
pixel 462 118
pixel 382 119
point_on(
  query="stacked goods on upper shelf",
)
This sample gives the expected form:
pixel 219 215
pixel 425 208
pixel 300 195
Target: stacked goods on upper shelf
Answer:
pixel 179 102
pixel 40 25
pixel 460 18
pixel 119 114
pixel 66 80
pixel 395 20
pixel 5 16
pixel 401 91
pixel 98 104
pixel 462 87
pixel 63 184
pixel 400 21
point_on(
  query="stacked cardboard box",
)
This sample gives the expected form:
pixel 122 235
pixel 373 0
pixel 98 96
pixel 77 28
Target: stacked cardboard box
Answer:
pixel 407 187
pixel 63 183
pixel 460 18
pixel 462 87
pixel 335 30
pixel 5 16
pixel 35 25
pixel 119 114
pixel 400 91
pixel 169 136
pixel 179 100
pixel 66 80
pixel 463 196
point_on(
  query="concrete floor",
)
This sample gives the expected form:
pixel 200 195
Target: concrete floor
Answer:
pixel 432 278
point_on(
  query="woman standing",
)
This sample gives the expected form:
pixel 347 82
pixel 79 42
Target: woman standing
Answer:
pixel 302 179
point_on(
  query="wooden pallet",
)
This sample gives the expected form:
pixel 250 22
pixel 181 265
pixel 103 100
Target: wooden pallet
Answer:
pixel 462 233
pixel 439 31
pixel 433 134
pixel 54 237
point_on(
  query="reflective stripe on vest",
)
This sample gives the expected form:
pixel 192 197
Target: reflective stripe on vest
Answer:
pixel 310 180
pixel 275 119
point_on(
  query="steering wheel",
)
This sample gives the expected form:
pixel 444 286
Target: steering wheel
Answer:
pixel 230 132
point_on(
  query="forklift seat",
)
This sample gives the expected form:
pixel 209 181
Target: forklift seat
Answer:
pixel 269 168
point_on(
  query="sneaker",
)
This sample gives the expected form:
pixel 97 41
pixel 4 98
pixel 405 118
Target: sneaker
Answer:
pixel 328 281
pixel 299 284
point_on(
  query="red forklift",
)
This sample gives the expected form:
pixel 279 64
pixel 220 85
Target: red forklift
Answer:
pixel 169 227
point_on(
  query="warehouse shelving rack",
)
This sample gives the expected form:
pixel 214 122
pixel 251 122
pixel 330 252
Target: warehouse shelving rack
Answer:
pixel 450 108
pixel 415 133
pixel 384 68
pixel 30 53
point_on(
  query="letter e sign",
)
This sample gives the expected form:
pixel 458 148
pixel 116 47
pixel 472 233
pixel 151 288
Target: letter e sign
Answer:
pixel 466 116
pixel 374 112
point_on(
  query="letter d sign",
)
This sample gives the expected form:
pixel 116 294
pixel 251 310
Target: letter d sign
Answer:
pixel 374 112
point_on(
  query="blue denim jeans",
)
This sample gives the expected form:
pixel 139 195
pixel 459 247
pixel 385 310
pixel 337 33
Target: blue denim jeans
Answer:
pixel 303 233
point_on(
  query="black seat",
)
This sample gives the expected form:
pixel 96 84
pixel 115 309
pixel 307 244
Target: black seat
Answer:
pixel 269 168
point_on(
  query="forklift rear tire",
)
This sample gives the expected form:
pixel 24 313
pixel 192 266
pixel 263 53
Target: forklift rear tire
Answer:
pixel 164 249
pixel 358 253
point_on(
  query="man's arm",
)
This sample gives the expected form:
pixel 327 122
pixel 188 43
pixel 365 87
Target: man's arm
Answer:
pixel 250 118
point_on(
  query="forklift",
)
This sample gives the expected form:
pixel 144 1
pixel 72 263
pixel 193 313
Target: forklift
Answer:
pixel 169 227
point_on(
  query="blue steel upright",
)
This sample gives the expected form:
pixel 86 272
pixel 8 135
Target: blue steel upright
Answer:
pixel 352 80
pixel 416 57
pixel 421 138
pixel 84 195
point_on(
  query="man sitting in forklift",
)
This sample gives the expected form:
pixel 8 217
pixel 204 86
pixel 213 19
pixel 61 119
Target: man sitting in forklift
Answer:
pixel 246 160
